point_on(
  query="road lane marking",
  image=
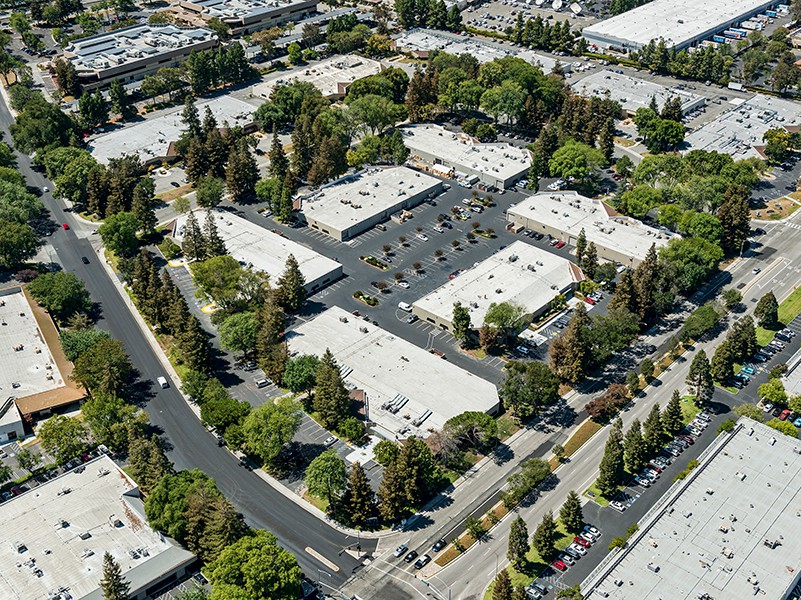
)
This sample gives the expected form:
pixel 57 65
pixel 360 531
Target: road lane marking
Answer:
pixel 312 552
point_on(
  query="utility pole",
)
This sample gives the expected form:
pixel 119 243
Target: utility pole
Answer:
pixel 436 591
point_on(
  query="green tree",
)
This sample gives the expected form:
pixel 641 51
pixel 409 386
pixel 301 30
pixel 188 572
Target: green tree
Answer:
pixel 18 243
pixel 750 411
pixel 672 418
pixel 581 245
pixel 502 586
pixel 408 480
pixel 241 173
pixel 461 324
pixel 358 501
pixel 61 293
pixel 103 368
pixel 112 420
pixel 6 473
pixel 209 192
pixel 773 392
pixel 721 367
pixel 544 538
pixel 212 242
pixel 375 113
pixel 279 163
pixel 238 333
pixel 119 100
pixel 147 463
pixel 113 583
pixel 290 290
pixel 473 429
pixel 767 311
pixel 699 376
pixel 570 352
pixel 611 468
pixel 63 437
pixel 300 373
pixel 386 451
pixel 119 233
pixel 575 160
pixel 27 460
pixel 255 567
pixel 653 431
pixel 731 298
pixel 647 369
pixel 635 449
pixel 504 316
pixel 528 386
pixel 326 476
pixel 589 263
pixel 331 398
pixel 269 427
pixel 784 427
pixel 742 338
pixel 518 542
pixel 571 514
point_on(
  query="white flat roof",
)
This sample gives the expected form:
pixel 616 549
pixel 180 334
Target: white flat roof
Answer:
pixel 56 557
pixel 27 366
pixel 386 366
pixel 737 131
pixel 151 138
pixel 131 44
pixel 571 212
pixel 632 92
pixel 266 251
pixel 426 40
pixel 708 533
pixel 331 76
pixel 356 198
pixel 677 21
pixel 502 161
pixel 520 273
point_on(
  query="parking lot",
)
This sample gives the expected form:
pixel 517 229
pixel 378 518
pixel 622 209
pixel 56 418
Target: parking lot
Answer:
pixel 500 14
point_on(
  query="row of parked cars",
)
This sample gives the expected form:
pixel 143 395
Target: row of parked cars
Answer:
pixel 777 344
pixel 576 549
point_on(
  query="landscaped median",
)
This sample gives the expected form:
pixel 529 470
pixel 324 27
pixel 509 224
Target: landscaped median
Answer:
pixel 374 262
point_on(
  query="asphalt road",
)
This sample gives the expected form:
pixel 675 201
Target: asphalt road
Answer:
pixel 191 445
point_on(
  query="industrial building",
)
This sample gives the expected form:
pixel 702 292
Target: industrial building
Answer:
pixel 244 16
pixel 34 373
pixel 267 251
pixel 133 52
pixel 681 23
pixel 728 530
pixel 331 76
pixel 408 391
pixel 633 93
pixel 563 215
pixel 56 536
pixel 459 156
pixel 739 131
pixel 153 139
pixel 520 274
pixel 348 206
pixel 420 43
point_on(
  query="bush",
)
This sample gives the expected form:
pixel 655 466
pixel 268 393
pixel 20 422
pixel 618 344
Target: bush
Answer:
pixel 727 426
pixel 170 249
pixel 352 429
pixel 690 466
pixel 609 404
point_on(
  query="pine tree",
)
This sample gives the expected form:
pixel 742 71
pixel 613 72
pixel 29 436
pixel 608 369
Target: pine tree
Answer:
pixel 113 584
pixel 97 191
pixel 672 418
pixel 242 173
pixel 671 110
pixel 570 352
pixel 518 542
pixel 624 297
pixel 290 290
pixel 589 264
pixel 722 366
pixel 147 461
pixel 331 398
pixel 606 139
pixel 303 146
pixel 279 164
pixel 142 206
pixel 196 161
pixel 742 338
pixel 545 537
pixel 645 284
pixel 273 361
pixel 194 246
pixel 699 375
pixel 653 431
pixel 502 586
pixel 118 97
pixel 581 246
pixel 461 323
pixel 519 593
pixel 611 468
pixel 209 122
pixel 216 149
pixel 392 499
pixel 635 450
pixel 194 345
pixel 358 501
pixel 570 514
pixel 767 311
pixel 735 221
pixel 212 242
pixel 191 118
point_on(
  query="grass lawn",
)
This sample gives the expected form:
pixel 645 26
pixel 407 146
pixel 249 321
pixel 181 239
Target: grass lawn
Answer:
pixel 534 564
pixel 594 493
pixel 320 503
pixel 507 426
pixel 789 309
pixel 688 408
pixel 763 335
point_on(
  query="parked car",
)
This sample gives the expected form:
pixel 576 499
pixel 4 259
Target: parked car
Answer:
pixel 582 542
pixel 572 553
pixel 560 245
pixel 65 226
pixel 797 422
pixel 767 407
pixel 566 559
pixel 619 506
pixel 589 300
pixel 580 550
pixel 559 565
pixel 748 370
pixel 641 481
pixel 593 530
pixel 784 414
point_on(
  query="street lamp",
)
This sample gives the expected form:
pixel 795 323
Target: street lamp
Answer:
pixel 436 591
pixel 320 572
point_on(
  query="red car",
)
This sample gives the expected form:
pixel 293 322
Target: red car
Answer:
pixel 560 245
pixel 559 565
pixel 16 490
pixel 785 413
pixel 589 300
pixel 581 541
pixel 65 226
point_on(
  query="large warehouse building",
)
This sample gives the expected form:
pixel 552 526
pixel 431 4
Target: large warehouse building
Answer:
pixel 267 251
pixel 133 52
pixel 463 157
pixel 521 274
pixel 728 531
pixel 681 23
pixel 633 93
pixel 347 207
pixel 245 16
pixel 563 215
pixel 55 538
pixel 408 391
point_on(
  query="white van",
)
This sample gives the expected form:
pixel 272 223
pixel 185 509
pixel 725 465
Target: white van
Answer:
pixel 163 382
pixel 405 306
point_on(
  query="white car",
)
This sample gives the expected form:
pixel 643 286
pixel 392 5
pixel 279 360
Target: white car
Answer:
pixel 617 505
pixel 439 229
pixel 404 284
pixel 422 236
pixel 578 548
pixel 45 189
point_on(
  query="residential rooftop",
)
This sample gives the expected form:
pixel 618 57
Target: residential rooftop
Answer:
pixel 56 536
pixel 570 212
pixel 331 76
pixel 139 43
pixel 497 160
pixel 738 132
pixel 426 390
pixel 633 93
pixel 356 198
pixel 521 273
pixel 424 41
pixel 679 22
pixel 266 250
pixel 151 138
pixel 729 530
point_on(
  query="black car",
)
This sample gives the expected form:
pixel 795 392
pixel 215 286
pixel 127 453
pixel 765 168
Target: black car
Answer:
pixel 410 557
pixel 439 545
pixel 538 236
pixel 84 260
pixel 175 184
